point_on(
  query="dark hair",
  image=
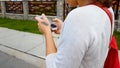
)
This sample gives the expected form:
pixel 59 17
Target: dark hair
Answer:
pixel 106 3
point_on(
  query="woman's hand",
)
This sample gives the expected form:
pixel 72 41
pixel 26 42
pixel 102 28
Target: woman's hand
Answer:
pixel 43 24
pixel 58 23
pixel 44 27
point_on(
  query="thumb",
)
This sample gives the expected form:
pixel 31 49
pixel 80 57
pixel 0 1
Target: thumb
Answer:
pixel 44 17
pixel 38 18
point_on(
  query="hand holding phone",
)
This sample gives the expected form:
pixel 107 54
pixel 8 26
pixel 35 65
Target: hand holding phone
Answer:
pixel 53 26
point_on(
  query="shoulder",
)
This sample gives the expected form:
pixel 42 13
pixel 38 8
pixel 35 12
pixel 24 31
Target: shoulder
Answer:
pixel 83 14
pixel 85 9
pixel 86 12
pixel 89 13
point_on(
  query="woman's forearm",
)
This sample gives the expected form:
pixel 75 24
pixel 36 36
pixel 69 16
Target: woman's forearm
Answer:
pixel 50 44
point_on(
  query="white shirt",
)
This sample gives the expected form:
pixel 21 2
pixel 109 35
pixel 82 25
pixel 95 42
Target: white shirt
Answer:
pixel 84 39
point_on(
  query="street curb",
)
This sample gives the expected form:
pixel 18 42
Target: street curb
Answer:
pixel 39 62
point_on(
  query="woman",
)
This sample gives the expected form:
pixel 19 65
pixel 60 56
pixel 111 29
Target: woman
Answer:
pixel 84 37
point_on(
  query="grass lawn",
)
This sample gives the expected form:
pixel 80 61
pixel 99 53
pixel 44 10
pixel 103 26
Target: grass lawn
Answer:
pixel 21 25
pixel 31 26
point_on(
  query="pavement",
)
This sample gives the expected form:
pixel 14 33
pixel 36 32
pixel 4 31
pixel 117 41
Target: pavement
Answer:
pixel 22 49
pixel 23 46
pixel 8 61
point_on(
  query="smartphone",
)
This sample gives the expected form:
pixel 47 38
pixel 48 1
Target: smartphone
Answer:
pixel 53 26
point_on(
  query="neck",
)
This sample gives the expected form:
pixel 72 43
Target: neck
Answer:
pixel 85 2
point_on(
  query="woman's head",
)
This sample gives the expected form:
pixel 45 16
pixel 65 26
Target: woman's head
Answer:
pixel 74 3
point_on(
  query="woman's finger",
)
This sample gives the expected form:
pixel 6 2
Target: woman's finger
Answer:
pixel 44 17
pixel 55 20
pixel 38 19
pixel 45 20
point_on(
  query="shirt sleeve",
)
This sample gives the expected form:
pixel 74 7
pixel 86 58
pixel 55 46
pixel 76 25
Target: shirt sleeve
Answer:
pixel 49 60
pixel 72 45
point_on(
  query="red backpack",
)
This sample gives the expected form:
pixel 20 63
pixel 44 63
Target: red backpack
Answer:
pixel 112 60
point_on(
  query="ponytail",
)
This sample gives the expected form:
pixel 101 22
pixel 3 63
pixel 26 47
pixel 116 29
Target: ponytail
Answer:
pixel 107 3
